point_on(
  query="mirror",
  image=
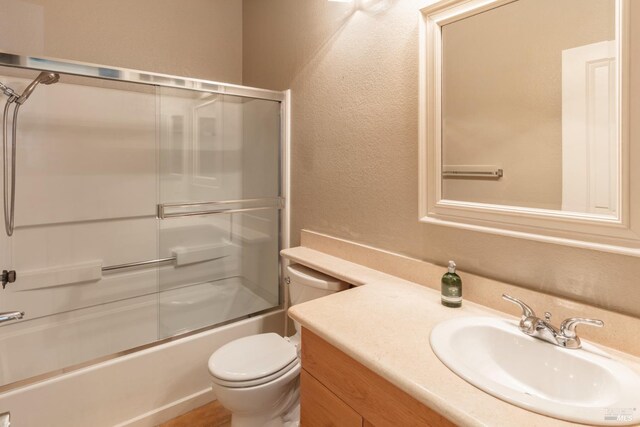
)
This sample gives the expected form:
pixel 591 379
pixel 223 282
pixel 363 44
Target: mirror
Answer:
pixel 533 96
pixel 523 120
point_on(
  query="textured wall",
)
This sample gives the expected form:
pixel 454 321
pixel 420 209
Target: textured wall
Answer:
pixel 196 38
pixel 353 69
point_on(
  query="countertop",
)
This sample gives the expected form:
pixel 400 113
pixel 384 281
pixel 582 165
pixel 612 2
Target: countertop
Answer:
pixel 385 323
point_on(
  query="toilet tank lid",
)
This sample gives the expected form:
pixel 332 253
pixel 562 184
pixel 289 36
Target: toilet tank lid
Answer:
pixel 309 277
pixel 251 357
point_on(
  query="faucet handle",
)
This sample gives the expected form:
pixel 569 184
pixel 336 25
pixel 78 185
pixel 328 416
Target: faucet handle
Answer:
pixel 568 327
pixel 526 310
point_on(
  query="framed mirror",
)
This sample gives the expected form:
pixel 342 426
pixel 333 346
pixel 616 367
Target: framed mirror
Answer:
pixel 524 127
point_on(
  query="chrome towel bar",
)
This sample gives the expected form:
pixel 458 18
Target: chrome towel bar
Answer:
pixel 181 256
pixel 471 171
pixel 139 263
pixel 11 315
pixel 217 207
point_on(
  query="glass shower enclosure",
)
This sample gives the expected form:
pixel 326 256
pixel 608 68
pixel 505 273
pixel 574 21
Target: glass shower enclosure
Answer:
pixel 147 207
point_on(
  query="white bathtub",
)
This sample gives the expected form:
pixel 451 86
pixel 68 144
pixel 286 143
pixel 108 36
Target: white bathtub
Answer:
pixel 141 389
pixel 54 342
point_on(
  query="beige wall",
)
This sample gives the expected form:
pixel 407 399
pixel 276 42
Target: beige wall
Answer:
pixel 354 76
pixel 502 96
pixel 197 38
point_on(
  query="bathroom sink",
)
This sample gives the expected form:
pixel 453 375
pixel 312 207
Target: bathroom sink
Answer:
pixel 581 385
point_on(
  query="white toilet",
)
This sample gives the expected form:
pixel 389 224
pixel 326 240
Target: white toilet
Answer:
pixel 256 377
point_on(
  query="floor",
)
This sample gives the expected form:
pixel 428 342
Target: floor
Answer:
pixel 209 415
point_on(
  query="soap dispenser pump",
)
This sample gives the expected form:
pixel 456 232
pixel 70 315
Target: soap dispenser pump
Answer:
pixel 451 287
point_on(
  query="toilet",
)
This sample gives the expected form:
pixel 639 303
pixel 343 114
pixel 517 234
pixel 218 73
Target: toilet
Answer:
pixel 256 377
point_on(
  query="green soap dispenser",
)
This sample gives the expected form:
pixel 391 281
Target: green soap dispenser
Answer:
pixel 451 287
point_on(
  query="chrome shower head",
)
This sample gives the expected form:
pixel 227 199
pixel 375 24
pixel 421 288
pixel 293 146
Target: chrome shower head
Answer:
pixel 46 78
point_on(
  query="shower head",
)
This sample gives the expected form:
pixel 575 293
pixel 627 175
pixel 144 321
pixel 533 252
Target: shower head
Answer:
pixel 46 78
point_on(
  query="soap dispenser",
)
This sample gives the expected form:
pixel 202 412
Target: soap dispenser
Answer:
pixel 451 287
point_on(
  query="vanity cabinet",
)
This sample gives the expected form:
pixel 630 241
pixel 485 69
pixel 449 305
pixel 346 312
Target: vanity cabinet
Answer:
pixel 320 407
pixel 335 390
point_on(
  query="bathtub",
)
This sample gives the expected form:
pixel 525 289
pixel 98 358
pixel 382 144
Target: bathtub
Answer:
pixel 140 389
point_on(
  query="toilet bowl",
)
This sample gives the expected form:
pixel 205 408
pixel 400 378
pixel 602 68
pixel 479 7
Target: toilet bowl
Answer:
pixel 257 377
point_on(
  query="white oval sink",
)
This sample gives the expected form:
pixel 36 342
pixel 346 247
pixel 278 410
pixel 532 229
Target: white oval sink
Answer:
pixel 584 385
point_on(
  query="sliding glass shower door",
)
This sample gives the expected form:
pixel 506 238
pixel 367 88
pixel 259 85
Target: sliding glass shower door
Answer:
pixel 219 208
pixel 144 210
pixel 86 180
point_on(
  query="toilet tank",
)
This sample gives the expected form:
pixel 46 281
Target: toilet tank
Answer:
pixel 307 284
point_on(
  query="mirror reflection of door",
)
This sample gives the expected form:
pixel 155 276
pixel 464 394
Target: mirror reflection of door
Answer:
pixel 589 135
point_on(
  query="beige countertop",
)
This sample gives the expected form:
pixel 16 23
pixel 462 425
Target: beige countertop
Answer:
pixel 385 323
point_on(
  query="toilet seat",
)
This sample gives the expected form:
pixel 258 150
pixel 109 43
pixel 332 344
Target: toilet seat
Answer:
pixel 252 360
pixel 258 381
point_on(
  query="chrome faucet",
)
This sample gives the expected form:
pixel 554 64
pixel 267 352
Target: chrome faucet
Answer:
pixel 542 329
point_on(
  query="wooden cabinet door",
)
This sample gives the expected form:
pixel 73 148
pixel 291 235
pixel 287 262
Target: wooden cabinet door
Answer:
pixel 362 390
pixel 319 407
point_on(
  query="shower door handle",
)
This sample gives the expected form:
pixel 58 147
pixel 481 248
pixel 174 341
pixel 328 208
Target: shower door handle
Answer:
pixel 11 315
